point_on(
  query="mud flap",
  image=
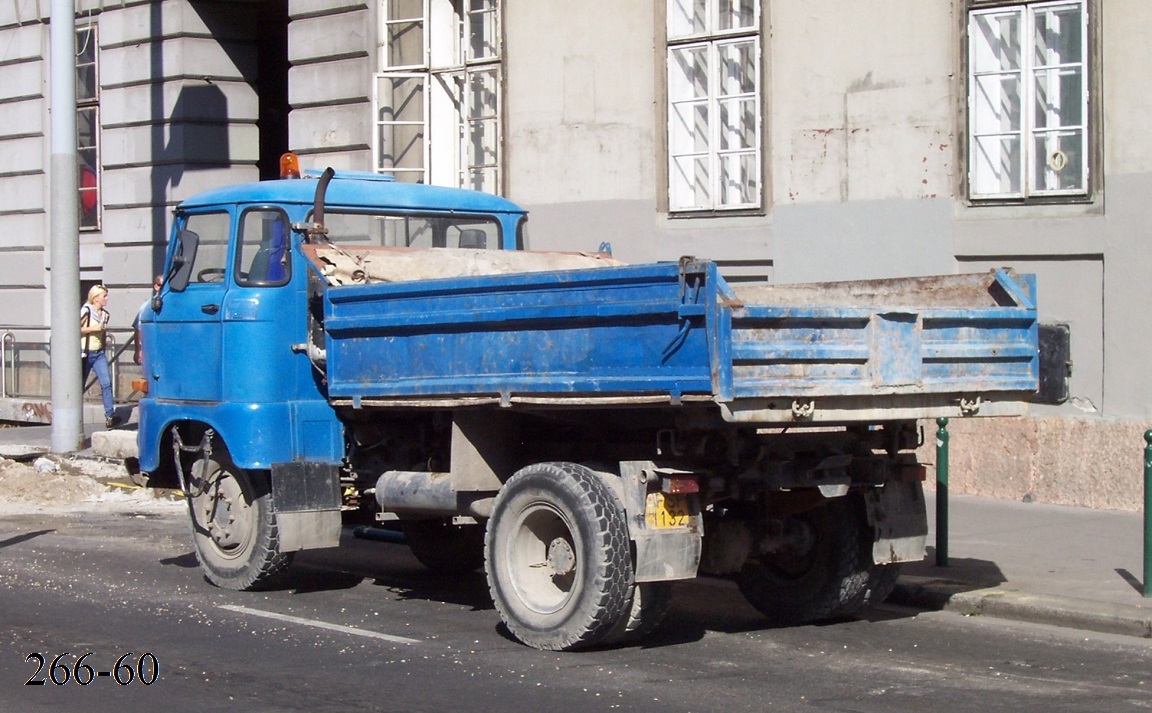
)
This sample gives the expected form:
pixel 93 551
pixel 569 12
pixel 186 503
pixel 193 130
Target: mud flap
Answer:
pixel 899 521
pixel 663 553
pixel 306 500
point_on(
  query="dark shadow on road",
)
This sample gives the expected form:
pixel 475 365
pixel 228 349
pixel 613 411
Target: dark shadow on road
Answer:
pixel 23 538
pixel 187 561
pixel 967 573
pixel 388 564
pixel 1131 579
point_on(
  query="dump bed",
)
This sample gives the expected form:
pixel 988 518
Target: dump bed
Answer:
pixel 532 329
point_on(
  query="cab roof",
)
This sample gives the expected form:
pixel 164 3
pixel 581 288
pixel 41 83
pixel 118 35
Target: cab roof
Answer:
pixel 354 190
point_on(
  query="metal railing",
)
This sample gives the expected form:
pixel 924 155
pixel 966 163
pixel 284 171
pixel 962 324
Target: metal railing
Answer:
pixel 25 364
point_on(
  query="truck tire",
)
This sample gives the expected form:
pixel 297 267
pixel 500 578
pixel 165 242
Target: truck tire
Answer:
pixel 649 605
pixel 233 527
pixel 443 547
pixel 558 558
pixel 829 579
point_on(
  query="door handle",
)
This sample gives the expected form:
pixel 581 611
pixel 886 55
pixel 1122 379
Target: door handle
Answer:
pixel 209 309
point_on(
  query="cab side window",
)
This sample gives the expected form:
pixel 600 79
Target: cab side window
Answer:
pixel 262 254
pixel 212 253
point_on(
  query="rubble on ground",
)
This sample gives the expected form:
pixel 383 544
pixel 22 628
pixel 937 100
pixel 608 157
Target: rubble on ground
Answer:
pixel 58 483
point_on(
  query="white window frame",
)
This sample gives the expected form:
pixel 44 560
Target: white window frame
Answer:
pixel 454 72
pixel 697 177
pixel 87 38
pixel 996 172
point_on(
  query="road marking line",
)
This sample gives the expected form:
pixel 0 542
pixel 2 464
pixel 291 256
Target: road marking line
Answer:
pixel 319 624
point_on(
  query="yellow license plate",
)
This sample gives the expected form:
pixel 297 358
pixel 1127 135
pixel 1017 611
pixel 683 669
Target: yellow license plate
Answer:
pixel 666 510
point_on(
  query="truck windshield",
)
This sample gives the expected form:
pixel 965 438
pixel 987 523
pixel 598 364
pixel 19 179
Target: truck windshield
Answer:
pixel 413 231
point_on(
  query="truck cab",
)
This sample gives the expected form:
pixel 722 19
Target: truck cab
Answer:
pixel 222 338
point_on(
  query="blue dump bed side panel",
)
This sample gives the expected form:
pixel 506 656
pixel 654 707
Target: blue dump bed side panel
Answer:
pixel 672 333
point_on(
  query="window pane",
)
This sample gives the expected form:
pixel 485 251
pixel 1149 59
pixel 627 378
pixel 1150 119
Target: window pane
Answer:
pixel 404 33
pixel 996 104
pixel 737 14
pixel 690 183
pixel 995 39
pixel 89 190
pixel 1058 36
pixel 482 35
pixel 400 120
pixel 1059 98
pixel 688 73
pixel 482 93
pixel 739 179
pixel 996 166
pixel 262 254
pixel 737 68
pixel 1058 163
pixel 86 83
pixel 687 17
pixel 738 124
pixel 212 253
pixel 688 132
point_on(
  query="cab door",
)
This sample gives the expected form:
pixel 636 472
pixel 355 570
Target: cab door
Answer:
pixel 188 366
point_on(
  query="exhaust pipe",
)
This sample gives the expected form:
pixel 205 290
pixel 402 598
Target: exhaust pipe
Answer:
pixel 415 493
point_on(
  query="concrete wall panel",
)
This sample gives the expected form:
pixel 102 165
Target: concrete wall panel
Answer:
pixel 23 193
pixel 27 230
pixel 581 102
pixel 176 101
pixel 334 129
pixel 23 80
pixel 863 240
pixel 26 154
pixel 24 42
pixel 183 57
pixel 327 37
pixel 853 116
pixel 1127 102
pixel 189 143
pixel 24 118
pixel 160 19
pixel 136 186
pixel 25 307
pixel 337 81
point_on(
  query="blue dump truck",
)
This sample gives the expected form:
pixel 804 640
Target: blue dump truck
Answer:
pixel 341 348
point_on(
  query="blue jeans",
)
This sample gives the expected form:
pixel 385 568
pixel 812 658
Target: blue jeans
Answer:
pixel 98 362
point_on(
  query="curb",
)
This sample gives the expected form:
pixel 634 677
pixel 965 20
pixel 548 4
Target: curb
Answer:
pixel 949 595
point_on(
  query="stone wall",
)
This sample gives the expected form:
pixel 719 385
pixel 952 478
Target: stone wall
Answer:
pixel 1087 462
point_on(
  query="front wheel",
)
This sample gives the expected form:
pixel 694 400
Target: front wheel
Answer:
pixel 557 557
pixel 233 526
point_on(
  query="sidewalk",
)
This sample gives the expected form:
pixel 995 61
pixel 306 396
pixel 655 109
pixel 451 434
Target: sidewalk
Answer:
pixel 1048 564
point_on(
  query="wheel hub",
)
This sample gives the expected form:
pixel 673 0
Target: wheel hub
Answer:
pixel 561 558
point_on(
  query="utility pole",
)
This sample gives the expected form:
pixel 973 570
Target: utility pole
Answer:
pixel 64 285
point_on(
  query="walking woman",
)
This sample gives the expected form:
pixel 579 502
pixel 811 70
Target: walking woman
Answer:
pixel 93 324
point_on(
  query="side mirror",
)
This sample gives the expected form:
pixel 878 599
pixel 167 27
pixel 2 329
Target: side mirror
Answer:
pixel 180 271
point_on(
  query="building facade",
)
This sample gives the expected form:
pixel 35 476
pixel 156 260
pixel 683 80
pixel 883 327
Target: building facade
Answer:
pixel 790 141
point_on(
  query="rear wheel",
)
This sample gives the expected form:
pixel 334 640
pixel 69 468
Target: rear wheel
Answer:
pixel 443 547
pixel 649 605
pixel 827 575
pixel 558 558
pixel 233 527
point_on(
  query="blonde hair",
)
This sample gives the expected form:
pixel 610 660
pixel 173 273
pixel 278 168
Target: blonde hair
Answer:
pixel 95 291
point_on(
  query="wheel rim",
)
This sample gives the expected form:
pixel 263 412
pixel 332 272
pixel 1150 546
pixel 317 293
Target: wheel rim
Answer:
pixel 225 516
pixel 543 565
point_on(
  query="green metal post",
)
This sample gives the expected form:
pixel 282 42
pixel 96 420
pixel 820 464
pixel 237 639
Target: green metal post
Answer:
pixel 942 493
pixel 1148 513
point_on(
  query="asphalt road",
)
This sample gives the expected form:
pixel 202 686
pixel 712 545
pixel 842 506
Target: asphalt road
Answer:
pixel 365 627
